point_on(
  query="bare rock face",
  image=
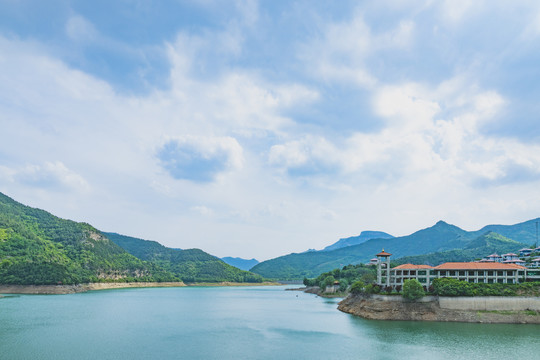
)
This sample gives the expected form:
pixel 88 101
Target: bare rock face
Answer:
pixel 395 308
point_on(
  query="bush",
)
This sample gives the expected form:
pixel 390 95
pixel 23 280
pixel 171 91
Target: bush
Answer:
pixel 343 285
pixel 358 287
pixel 412 289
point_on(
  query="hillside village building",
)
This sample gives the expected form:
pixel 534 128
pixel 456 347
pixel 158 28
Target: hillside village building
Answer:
pixel 488 272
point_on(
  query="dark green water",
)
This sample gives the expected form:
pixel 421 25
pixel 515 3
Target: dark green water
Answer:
pixel 235 323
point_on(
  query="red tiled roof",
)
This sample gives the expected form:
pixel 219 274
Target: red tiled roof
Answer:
pixel 383 253
pixel 412 267
pixel 477 266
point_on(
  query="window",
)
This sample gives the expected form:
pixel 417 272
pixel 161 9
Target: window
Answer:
pixel 422 272
pixel 500 273
pixel 452 273
pixel 481 273
pixel 462 273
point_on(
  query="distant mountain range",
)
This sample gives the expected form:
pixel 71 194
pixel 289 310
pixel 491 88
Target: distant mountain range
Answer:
pixel 357 240
pixel 37 247
pixel 441 241
pixel 240 263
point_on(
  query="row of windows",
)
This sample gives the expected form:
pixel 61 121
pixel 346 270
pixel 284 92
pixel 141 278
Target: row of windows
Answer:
pixel 459 273
pixel 488 281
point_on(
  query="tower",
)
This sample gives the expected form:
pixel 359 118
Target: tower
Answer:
pixel 383 268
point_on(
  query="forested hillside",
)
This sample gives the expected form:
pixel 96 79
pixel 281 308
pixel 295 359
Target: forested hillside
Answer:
pixel 192 265
pixel 478 248
pixel 39 248
pixel 442 237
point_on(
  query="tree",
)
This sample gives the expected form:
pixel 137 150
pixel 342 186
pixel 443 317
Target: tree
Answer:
pixel 358 287
pixel 343 285
pixel 412 289
pixel 328 281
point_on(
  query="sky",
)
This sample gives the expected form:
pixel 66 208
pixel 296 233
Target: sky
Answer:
pixel 260 128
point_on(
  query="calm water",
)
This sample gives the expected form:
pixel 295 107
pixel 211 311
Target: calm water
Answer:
pixel 235 323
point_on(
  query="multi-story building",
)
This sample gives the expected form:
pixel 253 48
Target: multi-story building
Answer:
pixel 474 272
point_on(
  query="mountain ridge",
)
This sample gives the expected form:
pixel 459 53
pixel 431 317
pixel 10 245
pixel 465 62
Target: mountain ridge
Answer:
pixel 438 238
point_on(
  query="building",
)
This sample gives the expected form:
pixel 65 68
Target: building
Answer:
pixel 494 257
pixel 383 268
pixel 488 272
pixel 525 252
pixel 510 257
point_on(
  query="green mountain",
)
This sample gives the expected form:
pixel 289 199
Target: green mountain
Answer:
pixel 356 240
pixel 525 232
pixel 438 238
pixel 192 265
pixel 477 248
pixel 39 248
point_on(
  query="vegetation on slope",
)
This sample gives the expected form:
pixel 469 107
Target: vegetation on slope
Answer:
pixel 192 265
pixel 356 240
pixel 347 275
pixel 441 236
pixel 443 242
pixel 478 248
pixel 39 248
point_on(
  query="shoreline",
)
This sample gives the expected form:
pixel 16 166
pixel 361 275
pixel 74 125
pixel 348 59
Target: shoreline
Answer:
pixel 231 283
pixel 80 288
pixel 444 309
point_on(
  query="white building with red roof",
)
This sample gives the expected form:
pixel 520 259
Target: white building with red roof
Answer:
pixel 488 272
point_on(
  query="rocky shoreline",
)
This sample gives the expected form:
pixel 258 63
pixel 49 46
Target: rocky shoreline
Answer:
pixel 79 288
pixel 429 309
pixel 72 289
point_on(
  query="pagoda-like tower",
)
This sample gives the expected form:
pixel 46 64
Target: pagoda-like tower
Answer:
pixel 383 268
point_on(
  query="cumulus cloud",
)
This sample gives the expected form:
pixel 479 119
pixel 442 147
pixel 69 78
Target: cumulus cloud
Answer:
pixel 50 175
pixel 429 130
pixel 200 159
pixel 341 52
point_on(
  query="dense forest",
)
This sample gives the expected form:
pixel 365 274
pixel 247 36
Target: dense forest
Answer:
pixel 191 265
pixel 346 276
pixel 37 248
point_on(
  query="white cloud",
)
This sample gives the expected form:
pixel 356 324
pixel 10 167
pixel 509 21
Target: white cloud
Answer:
pixel 340 53
pixel 50 175
pixel 80 29
pixel 200 158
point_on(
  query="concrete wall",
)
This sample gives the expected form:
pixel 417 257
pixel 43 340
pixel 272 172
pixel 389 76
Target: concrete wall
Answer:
pixel 487 303
pixel 490 303
pixel 399 298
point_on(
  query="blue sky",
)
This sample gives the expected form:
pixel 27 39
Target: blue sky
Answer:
pixel 260 128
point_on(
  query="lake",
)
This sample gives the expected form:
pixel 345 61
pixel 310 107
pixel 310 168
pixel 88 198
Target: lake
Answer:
pixel 235 323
